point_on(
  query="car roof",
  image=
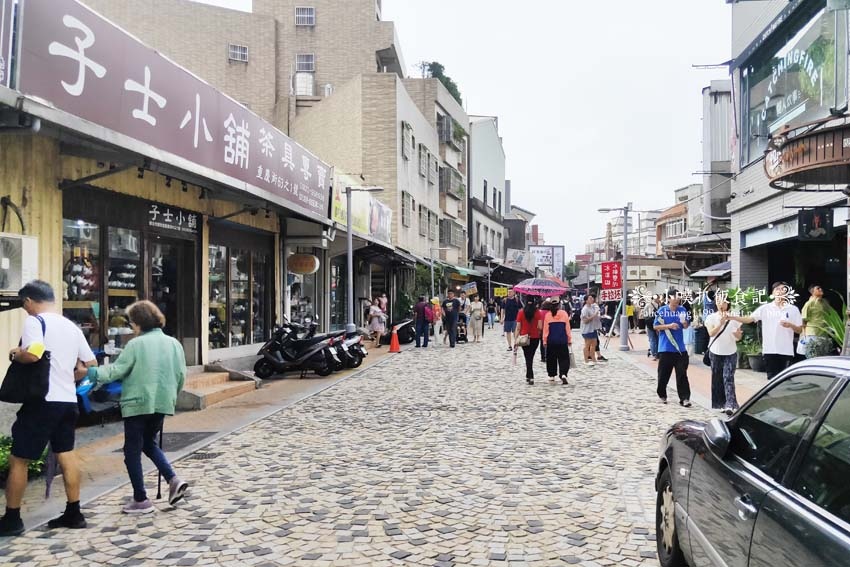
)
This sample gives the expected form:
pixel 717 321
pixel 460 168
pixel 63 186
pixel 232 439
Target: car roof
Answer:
pixel 838 364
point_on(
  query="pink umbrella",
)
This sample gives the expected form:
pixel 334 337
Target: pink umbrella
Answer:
pixel 539 286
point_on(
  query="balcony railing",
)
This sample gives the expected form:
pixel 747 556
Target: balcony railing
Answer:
pixel 451 182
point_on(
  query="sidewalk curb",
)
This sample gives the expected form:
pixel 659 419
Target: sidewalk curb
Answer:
pixel 186 452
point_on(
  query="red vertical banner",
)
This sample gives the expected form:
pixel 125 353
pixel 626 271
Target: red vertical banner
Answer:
pixel 612 275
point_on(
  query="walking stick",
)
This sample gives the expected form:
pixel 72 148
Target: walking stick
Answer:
pixel 159 474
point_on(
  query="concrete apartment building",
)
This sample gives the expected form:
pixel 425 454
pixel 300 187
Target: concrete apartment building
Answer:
pixel 487 189
pixel 283 56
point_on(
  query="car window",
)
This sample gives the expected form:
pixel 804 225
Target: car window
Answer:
pixel 825 471
pixel 767 433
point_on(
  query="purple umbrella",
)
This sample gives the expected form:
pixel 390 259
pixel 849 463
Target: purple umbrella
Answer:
pixel 539 286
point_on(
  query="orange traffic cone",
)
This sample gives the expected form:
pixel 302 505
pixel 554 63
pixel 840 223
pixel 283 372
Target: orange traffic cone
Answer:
pixel 394 344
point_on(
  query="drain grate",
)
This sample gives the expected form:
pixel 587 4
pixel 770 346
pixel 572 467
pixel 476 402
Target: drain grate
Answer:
pixel 177 440
pixel 203 456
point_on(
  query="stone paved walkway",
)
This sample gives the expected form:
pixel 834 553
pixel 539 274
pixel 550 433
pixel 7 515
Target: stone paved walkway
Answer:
pixel 436 457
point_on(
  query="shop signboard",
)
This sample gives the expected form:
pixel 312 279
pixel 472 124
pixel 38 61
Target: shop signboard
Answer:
pixel 612 276
pixel 500 292
pixel 542 256
pixel 76 61
pixel 816 224
pixel 610 295
pixel 7 26
pixel 303 264
pixel 166 218
pixel 549 258
pixel 470 289
pixel 519 259
pixel 369 216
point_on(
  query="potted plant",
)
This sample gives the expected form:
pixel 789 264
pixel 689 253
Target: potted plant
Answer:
pixel 751 349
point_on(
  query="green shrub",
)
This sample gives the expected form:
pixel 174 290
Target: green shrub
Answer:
pixel 36 467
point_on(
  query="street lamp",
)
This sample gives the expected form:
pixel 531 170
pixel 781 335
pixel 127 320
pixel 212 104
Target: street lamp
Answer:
pixel 432 269
pixel 350 327
pixel 624 319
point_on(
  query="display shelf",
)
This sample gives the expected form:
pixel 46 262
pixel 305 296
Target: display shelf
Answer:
pixel 123 293
pixel 78 304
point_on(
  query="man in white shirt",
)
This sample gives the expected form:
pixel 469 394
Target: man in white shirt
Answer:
pixel 52 420
pixel 780 319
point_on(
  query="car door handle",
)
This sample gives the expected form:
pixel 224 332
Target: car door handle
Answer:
pixel 746 508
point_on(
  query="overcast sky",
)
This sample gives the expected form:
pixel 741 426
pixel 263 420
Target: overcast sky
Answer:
pixel 598 103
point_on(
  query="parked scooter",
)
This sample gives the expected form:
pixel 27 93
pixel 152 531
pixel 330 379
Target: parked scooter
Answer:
pixel 405 329
pixel 349 346
pixel 286 351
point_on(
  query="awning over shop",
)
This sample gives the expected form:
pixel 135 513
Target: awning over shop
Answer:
pixel 384 255
pixel 716 271
pixel 468 272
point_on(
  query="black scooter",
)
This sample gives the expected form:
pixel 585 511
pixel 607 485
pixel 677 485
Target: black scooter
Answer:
pixel 285 351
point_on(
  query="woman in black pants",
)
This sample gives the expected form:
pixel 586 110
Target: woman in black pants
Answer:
pixel 529 322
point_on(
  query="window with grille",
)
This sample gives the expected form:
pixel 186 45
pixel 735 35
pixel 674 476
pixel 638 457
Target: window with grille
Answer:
pixel 423 221
pixel 305 63
pixel 406 206
pixel 407 140
pixel 423 160
pixel 433 226
pixel 305 16
pixel 237 52
pixel 432 170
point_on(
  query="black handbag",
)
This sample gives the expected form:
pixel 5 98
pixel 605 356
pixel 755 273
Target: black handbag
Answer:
pixel 27 382
pixel 706 358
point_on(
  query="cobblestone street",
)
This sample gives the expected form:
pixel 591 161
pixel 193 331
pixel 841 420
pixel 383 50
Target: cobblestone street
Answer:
pixel 434 457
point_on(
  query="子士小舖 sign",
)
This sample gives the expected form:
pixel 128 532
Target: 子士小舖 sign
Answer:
pixel 612 276
pixel 167 218
pixel 82 64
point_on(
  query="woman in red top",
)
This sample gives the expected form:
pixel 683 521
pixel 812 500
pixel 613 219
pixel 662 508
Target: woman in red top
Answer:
pixel 530 322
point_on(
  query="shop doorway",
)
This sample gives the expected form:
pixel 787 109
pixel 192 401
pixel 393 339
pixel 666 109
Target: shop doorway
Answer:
pixel 173 285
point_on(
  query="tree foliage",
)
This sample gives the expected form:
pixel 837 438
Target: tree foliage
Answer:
pixel 437 71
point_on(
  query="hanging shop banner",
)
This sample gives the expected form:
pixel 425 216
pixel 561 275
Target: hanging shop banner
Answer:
pixel 470 289
pixel 612 276
pixel 166 218
pixel 542 256
pixel 79 62
pixel 500 292
pixel 816 224
pixel 303 264
pixel 519 259
pixel 7 25
pixel 610 295
pixel 369 216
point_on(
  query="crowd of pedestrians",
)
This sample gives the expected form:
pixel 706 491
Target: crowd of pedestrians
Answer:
pixel 152 369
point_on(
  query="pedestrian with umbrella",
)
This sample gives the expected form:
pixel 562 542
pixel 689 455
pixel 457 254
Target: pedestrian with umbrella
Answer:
pixel 528 333
pixel 557 337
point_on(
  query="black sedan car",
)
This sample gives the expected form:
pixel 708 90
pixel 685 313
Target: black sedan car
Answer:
pixel 770 486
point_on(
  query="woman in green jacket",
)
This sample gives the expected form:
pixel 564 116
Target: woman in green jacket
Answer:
pixel 152 370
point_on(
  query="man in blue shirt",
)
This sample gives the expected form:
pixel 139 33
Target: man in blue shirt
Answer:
pixel 670 320
pixel 510 310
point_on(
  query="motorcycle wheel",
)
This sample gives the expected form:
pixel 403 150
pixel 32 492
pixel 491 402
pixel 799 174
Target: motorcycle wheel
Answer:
pixel 407 335
pixel 324 370
pixel 263 369
pixel 356 361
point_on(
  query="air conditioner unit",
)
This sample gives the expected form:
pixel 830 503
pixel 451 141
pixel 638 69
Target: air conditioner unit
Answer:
pixel 18 261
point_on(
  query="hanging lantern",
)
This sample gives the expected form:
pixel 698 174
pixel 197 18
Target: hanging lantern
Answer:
pixel 303 264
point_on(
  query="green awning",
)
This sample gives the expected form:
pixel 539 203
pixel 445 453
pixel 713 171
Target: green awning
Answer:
pixel 469 272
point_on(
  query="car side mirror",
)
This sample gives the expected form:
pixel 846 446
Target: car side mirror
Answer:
pixel 717 437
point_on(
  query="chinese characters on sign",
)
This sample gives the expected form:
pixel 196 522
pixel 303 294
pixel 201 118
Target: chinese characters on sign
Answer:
pixel 641 297
pixel 84 65
pixel 612 277
pixel 610 295
pixel 171 218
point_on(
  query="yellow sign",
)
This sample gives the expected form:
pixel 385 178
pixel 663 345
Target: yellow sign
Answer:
pixel 500 292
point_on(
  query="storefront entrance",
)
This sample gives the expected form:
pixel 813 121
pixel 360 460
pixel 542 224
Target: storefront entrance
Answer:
pixel 173 286
pixel 119 249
